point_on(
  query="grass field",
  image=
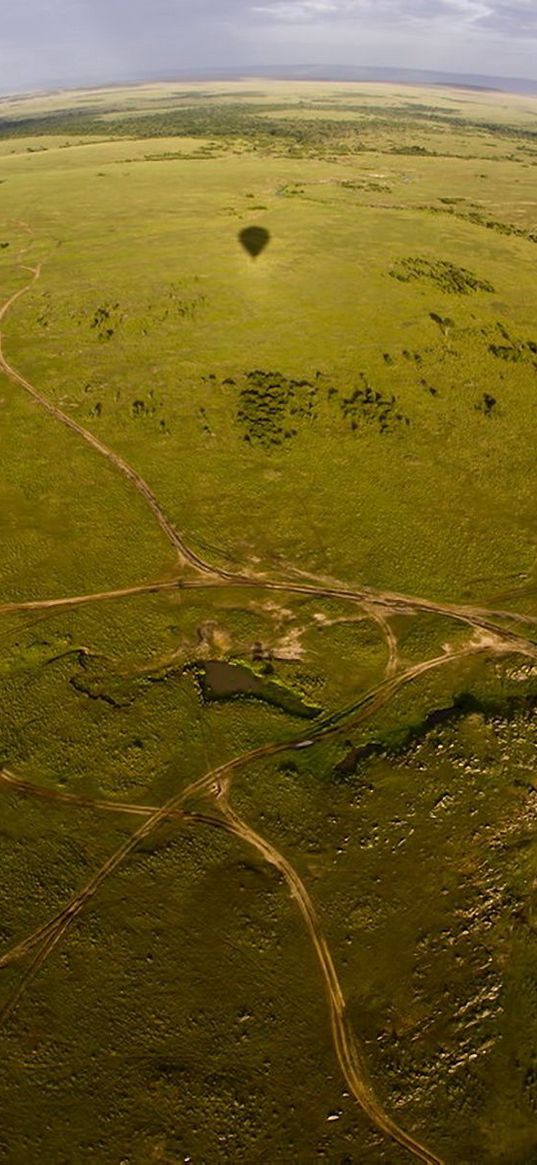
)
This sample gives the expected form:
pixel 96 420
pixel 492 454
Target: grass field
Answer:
pixel 269 549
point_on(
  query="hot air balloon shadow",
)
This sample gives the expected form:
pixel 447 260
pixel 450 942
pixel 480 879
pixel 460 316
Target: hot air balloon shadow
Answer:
pixel 254 240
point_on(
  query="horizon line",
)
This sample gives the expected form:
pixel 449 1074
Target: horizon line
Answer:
pixel 390 74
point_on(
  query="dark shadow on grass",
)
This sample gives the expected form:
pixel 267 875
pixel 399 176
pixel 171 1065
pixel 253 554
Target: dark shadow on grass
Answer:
pixel 254 240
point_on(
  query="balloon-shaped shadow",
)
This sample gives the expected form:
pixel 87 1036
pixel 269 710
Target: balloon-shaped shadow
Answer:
pixel 254 240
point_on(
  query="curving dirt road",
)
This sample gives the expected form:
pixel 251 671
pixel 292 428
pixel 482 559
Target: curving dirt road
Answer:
pixel 351 1059
pixel 113 458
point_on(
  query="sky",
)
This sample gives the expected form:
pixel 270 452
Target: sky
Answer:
pixel 49 42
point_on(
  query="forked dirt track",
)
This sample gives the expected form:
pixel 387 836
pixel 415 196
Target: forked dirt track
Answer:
pixel 216 784
pixel 348 1052
pixel 478 617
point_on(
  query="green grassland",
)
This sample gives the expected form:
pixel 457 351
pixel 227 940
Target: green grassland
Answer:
pixel 355 411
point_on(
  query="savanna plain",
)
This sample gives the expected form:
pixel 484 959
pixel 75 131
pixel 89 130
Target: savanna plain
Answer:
pixel 268 626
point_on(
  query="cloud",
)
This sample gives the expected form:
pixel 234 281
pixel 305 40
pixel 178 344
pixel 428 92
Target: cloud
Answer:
pixel 517 17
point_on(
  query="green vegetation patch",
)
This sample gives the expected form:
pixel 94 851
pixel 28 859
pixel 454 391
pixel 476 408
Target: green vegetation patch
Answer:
pixel 366 405
pixel 446 276
pixel 270 405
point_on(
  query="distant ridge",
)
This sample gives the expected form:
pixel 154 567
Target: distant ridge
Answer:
pixel 325 73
